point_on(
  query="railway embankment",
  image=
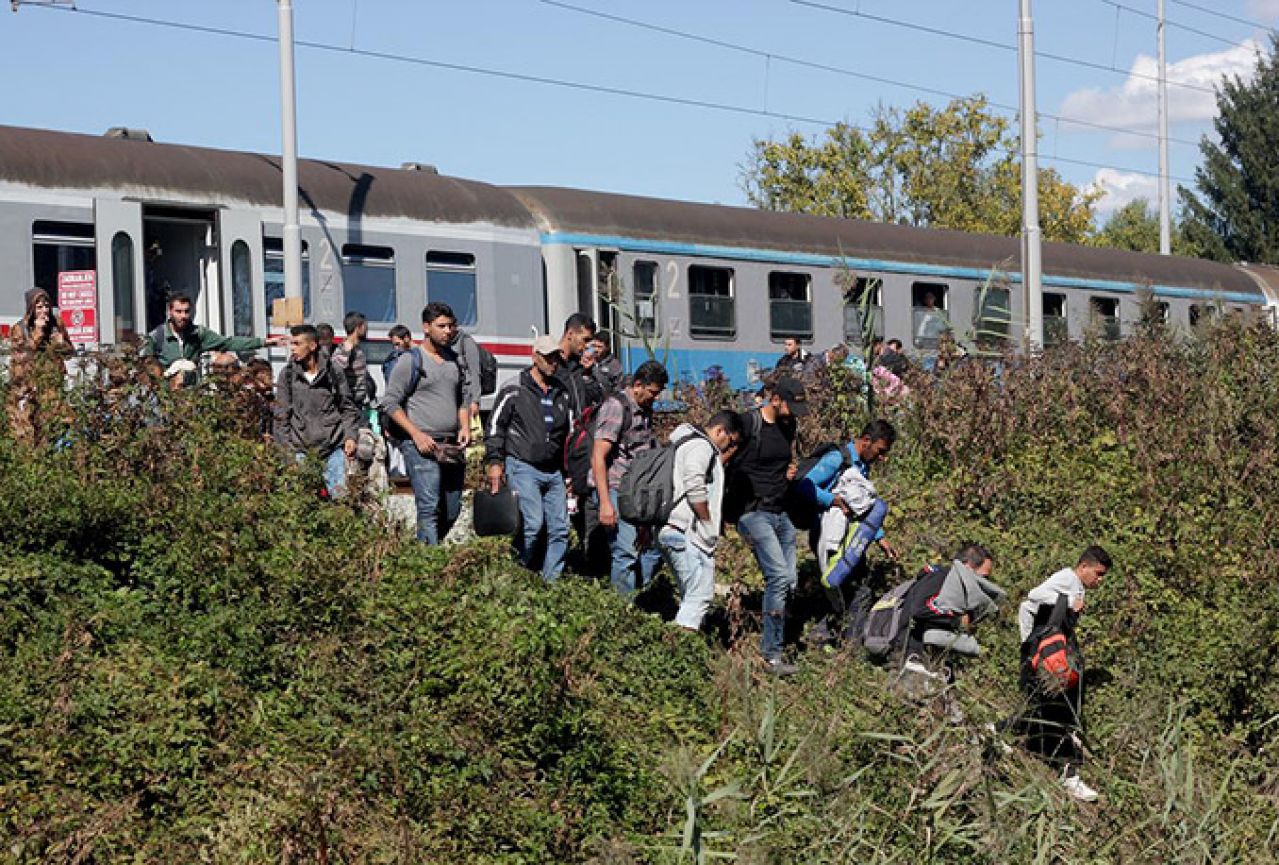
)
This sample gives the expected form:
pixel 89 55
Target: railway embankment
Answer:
pixel 200 661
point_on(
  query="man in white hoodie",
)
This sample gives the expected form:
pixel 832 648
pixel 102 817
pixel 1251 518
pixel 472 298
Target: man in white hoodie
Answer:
pixel 690 535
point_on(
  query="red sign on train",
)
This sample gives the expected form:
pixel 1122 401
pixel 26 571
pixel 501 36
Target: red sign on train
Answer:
pixel 78 303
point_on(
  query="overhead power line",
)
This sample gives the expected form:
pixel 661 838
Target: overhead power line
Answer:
pixel 840 70
pixel 1223 15
pixel 990 43
pixel 524 77
pixel 1176 25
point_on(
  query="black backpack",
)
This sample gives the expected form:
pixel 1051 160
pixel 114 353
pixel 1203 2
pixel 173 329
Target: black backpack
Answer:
pixel 887 621
pixel 581 442
pixel 738 492
pixel 488 364
pixel 802 510
pixel 1051 655
pixel 646 495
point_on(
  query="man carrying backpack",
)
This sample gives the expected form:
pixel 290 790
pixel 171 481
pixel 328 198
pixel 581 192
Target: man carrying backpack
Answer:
pixel 525 441
pixel 424 402
pixel 622 428
pixel 690 535
pixel 315 412
pixel 843 512
pixel 760 473
pixel 1055 692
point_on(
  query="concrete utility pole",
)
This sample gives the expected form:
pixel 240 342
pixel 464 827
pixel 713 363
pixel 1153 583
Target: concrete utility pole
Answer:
pixel 289 157
pixel 1031 268
pixel 1165 192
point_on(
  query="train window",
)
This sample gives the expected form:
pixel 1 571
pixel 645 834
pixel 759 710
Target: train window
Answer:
pixel 1056 325
pixel 368 280
pixel 865 298
pixel 59 247
pixel 928 313
pixel 711 312
pixel 1203 313
pixel 790 305
pixel 992 315
pixel 126 325
pixel 241 289
pixel 1105 315
pixel 644 296
pixel 450 278
pixel 273 270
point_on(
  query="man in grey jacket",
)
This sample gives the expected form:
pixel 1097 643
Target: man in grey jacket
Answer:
pixel 690 535
pixel 314 409
pixel 425 401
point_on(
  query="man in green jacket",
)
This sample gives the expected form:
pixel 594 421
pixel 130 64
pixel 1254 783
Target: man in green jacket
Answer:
pixel 178 339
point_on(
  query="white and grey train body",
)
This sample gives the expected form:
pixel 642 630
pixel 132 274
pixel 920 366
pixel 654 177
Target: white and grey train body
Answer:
pixel 712 285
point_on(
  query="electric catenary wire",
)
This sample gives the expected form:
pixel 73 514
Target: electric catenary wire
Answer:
pixel 528 78
pixel 840 70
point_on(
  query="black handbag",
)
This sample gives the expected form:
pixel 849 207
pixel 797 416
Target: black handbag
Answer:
pixel 495 513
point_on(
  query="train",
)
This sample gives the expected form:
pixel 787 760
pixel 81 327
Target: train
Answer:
pixel 111 224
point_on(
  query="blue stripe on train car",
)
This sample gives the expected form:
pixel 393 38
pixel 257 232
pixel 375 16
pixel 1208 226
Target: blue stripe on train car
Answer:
pixel 691 365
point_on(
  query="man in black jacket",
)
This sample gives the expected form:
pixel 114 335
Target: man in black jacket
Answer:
pixel 315 412
pixel 525 446
pixel 582 390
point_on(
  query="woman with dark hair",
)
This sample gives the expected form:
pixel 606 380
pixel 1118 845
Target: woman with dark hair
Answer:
pixel 41 328
pixel 39 334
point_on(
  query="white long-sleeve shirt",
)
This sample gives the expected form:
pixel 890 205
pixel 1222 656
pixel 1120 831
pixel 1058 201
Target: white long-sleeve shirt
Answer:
pixel 691 462
pixel 1064 582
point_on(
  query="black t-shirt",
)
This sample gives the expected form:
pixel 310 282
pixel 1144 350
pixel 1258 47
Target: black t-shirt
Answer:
pixel 763 467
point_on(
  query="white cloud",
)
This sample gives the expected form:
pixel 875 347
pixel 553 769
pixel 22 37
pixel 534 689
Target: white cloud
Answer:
pixel 1119 188
pixel 1264 8
pixel 1133 104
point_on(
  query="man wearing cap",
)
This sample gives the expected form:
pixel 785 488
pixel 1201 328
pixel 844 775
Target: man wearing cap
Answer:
pixel 759 475
pixel 524 447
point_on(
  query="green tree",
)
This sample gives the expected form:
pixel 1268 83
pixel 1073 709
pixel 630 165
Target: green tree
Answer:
pixel 1134 227
pixel 953 167
pixel 1234 215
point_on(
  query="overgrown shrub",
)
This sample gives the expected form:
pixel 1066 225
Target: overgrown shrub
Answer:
pixel 201 661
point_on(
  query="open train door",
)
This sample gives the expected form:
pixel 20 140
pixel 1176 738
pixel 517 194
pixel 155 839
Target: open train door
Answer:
pixel 118 286
pixel 240 273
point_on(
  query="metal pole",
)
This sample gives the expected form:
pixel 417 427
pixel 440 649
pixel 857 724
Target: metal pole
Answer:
pixel 1031 271
pixel 289 158
pixel 1165 193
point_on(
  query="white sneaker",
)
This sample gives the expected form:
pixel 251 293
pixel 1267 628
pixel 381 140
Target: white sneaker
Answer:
pixel 999 744
pixel 914 665
pixel 1075 786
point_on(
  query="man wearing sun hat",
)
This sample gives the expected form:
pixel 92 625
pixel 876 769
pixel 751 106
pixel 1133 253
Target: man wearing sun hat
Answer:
pixel 524 447
pixel 759 475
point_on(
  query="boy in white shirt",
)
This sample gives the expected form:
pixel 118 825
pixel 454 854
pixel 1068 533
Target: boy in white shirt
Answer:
pixel 1053 720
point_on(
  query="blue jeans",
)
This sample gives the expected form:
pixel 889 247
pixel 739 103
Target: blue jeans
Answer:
pixel 334 471
pixel 543 504
pixel 695 574
pixel 629 562
pixel 437 491
pixel 772 539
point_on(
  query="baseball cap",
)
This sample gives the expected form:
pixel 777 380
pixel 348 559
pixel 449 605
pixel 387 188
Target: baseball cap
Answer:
pixel 792 393
pixel 546 344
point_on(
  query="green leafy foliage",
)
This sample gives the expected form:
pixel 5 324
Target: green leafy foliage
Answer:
pixel 200 661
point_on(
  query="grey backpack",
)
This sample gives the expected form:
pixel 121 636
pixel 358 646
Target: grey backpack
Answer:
pixel 646 495
pixel 887 621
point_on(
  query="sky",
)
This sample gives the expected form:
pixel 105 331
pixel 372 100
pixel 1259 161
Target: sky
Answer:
pixel 385 86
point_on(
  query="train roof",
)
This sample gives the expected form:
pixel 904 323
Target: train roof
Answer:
pixel 574 211
pixel 63 160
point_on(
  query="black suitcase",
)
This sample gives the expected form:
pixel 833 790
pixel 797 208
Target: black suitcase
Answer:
pixel 495 513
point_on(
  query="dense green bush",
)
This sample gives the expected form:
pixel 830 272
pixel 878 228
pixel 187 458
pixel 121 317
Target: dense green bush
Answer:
pixel 200 661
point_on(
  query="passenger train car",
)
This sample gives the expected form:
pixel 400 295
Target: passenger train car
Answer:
pixel 709 285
